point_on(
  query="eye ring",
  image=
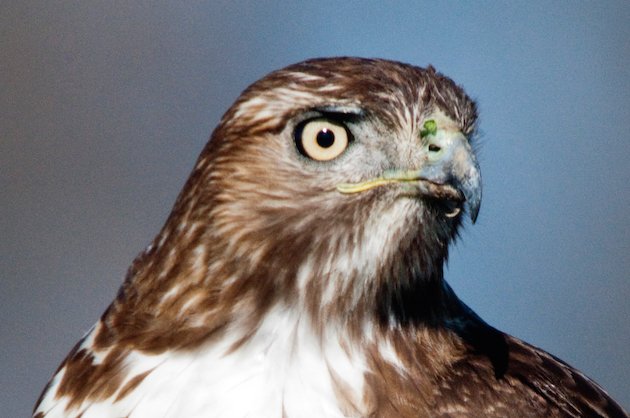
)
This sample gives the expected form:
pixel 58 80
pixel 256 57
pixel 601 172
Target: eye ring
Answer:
pixel 322 139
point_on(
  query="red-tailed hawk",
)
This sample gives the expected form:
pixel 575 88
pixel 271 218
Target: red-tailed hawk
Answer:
pixel 300 273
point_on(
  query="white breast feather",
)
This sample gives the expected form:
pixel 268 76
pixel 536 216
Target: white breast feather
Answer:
pixel 284 368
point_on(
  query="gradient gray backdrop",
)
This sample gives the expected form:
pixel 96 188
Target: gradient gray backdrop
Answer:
pixel 104 107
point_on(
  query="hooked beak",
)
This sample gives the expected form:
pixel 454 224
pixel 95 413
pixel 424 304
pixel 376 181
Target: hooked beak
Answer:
pixel 449 172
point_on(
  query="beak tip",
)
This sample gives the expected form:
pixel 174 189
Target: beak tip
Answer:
pixel 473 202
pixel 474 212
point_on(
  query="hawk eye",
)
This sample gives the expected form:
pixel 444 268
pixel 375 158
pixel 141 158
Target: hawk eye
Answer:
pixel 321 139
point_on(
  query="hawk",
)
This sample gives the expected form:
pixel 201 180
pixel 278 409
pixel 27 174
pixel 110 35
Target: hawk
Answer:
pixel 300 273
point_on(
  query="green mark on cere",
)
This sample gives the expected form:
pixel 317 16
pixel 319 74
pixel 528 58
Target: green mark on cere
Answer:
pixel 429 128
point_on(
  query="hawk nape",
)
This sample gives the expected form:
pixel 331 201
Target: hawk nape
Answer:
pixel 300 273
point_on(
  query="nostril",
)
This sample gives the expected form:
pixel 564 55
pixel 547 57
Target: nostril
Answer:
pixel 434 148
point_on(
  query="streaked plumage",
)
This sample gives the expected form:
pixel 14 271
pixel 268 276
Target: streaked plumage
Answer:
pixel 300 272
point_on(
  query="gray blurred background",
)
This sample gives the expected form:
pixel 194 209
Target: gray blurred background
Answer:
pixel 104 107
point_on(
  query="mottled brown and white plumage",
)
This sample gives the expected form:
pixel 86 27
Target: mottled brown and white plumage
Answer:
pixel 300 272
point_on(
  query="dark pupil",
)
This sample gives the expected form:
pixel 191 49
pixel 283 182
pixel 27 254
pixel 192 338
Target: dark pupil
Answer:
pixel 325 138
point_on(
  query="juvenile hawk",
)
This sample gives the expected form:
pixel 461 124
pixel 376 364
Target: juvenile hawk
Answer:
pixel 300 273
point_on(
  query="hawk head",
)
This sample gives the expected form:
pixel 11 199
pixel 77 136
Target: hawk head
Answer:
pixel 332 187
